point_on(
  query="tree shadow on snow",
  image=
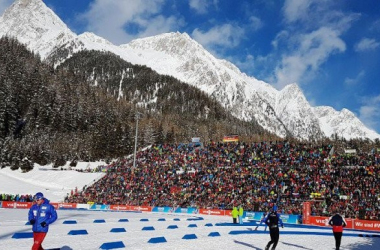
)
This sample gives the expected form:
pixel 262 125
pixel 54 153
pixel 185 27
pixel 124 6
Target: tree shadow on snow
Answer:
pixel 66 248
pixel 61 248
pixel 246 244
pixel 294 245
pixel 374 245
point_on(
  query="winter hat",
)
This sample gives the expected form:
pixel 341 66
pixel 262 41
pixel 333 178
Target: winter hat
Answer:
pixel 39 196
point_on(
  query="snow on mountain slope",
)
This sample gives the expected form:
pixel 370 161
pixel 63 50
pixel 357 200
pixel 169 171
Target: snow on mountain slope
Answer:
pixel 90 41
pixel 177 54
pixel 343 123
pixel 34 25
pixel 294 110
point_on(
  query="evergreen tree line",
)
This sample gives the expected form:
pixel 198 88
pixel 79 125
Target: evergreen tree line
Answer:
pixel 85 109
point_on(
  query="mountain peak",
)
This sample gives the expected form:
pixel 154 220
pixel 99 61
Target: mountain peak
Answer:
pixel 25 3
pixel 292 89
pixel 89 36
pixel 178 55
pixel 34 25
pixel 172 43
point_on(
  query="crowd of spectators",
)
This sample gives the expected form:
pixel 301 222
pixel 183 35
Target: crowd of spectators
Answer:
pixel 16 197
pixel 257 176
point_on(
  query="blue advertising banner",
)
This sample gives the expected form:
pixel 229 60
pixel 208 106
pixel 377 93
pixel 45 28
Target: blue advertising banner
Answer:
pixel 289 218
pixel 189 210
pixel 162 209
pixel 99 207
pixel 254 215
pixel 286 218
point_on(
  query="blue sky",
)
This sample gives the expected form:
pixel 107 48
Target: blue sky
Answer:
pixel 331 48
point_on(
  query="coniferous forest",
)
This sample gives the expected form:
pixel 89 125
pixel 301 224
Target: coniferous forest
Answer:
pixel 86 109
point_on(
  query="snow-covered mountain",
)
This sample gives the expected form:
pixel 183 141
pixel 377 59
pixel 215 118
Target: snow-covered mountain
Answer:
pixel 177 54
pixel 331 122
pixel 35 25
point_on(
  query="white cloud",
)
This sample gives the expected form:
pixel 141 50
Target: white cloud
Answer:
pixel 375 26
pixel 366 44
pixel 122 21
pixel 311 51
pixel 256 23
pixel 202 6
pixel 312 34
pixel 315 13
pixel 4 4
pixel 295 10
pixel 369 113
pixel 226 35
pixel 281 36
pixel 356 80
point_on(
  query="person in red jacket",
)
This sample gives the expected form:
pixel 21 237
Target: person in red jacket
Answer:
pixel 337 222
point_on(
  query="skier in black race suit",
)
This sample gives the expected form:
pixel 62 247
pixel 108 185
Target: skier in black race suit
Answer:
pixel 273 221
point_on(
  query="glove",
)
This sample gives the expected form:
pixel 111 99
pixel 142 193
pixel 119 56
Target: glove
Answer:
pixel 32 221
pixel 43 224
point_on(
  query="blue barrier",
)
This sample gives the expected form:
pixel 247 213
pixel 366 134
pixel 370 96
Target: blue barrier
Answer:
pixel 196 218
pixel 301 233
pixel 118 230
pixel 144 219
pixel 148 229
pixel 112 245
pixel 245 224
pixel 69 222
pixel 189 237
pixel 208 225
pixel 172 226
pixel 22 235
pixel 77 232
pixel 99 221
pixel 192 225
pixel 214 234
pixel 369 235
pixel 157 240
pixel 161 219
pixel 123 220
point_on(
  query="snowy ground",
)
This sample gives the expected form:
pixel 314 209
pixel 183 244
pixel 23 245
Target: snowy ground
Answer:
pixel 55 184
pixel 13 221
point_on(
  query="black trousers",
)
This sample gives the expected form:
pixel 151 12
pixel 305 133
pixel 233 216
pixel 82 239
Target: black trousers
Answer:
pixel 274 237
pixel 338 239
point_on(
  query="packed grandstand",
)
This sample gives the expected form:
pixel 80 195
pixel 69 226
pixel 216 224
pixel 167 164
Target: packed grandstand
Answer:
pixel 256 176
